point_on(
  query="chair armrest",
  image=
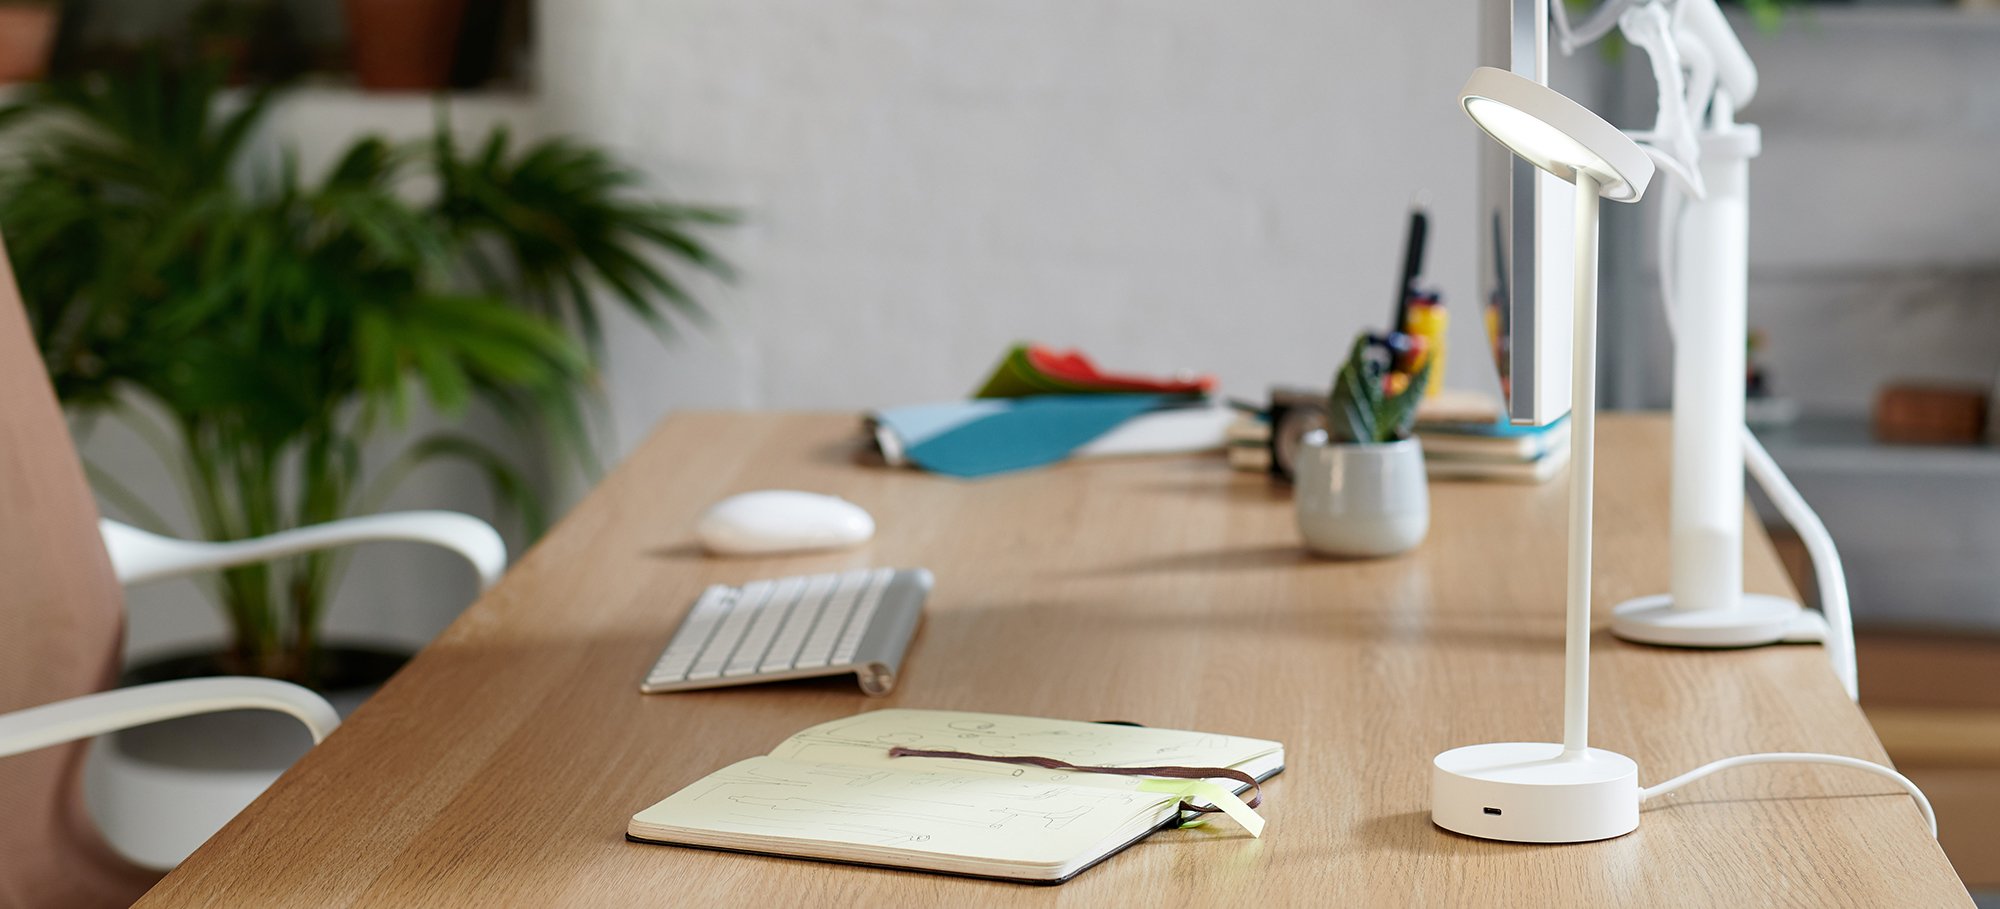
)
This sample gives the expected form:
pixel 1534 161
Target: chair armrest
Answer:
pixel 138 556
pixel 109 711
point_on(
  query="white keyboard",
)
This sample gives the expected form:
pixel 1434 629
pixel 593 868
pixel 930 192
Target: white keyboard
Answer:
pixel 795 628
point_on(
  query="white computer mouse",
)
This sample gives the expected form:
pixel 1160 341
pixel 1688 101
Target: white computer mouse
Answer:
pixel 773 521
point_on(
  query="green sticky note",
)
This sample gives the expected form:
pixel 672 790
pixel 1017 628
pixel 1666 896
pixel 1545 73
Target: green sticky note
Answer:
pixel 1214 794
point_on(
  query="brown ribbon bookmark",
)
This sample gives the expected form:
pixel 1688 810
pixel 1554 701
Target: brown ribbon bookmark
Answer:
pixel 1179 773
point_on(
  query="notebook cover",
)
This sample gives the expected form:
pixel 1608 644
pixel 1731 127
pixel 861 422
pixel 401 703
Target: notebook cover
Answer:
pixel 1170 822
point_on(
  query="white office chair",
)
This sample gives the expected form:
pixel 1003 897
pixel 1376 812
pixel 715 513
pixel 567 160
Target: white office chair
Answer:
pixel 158 813
pixel 138 557
pixel 62 621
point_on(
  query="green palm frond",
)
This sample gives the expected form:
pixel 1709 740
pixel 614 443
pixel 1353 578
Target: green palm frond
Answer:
pixel 1360 408
pixel 564 214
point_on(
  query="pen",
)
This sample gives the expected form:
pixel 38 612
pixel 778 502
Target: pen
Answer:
pixel 1413 264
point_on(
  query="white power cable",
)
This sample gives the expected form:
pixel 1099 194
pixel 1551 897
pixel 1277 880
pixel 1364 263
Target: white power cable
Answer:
pixel 1827 573
pixel 1797 757
pixel 1669 254
pixel 1648 27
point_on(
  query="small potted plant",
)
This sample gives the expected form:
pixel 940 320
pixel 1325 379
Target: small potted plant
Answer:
pixel 1359 486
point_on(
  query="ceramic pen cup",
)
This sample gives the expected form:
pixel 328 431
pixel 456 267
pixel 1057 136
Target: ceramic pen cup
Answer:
pixel 1360 500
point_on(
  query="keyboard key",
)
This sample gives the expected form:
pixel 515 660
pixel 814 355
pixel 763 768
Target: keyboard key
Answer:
pixel 769 616
pixel 864 610
pixel 840 605
pixel 723 645
pixel 812 602
pixel 695 629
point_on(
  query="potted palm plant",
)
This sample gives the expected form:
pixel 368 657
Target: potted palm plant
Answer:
pixel 278 323
pixel 1359 487
pixel 260 327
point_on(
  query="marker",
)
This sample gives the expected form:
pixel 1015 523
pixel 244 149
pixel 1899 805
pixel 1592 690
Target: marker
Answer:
pixel 1413 264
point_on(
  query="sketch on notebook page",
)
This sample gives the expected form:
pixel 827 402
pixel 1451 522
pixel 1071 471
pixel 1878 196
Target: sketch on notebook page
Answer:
pixel 881 807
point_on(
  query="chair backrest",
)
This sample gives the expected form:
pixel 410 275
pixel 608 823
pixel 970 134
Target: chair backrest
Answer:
pixel 62 618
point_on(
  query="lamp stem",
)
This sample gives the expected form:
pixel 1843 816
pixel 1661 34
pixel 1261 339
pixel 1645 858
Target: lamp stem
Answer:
pixel 1582 444
pixel 1709 330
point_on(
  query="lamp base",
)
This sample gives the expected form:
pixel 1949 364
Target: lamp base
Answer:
pixel 1531 792
pixel 1757 620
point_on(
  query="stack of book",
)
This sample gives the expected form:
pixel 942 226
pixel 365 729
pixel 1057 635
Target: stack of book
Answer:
pixel 1465 436
pixel 1248 442
pixel 1494 450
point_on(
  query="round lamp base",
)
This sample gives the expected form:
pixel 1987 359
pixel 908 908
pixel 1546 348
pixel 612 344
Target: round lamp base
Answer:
pixel 1531 792
pixel 1757 620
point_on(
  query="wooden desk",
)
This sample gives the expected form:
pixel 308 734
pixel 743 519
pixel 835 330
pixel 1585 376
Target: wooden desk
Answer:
pixel 501 766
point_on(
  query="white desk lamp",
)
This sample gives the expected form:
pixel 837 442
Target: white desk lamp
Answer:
pixel 1704 75
pixel 1540 792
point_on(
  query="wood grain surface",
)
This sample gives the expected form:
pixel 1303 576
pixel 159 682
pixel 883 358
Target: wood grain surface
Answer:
pixel 501 766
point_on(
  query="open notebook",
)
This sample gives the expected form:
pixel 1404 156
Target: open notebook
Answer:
pixel 833 793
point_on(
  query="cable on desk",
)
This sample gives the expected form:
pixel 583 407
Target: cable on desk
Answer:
pixel 1797 757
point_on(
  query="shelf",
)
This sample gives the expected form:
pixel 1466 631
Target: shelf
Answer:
pixel 1844 444
pixel 315 116
pixel 322 100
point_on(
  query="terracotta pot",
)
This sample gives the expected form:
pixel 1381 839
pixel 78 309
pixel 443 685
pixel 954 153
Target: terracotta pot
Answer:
pixel 27 32
pixel 403 45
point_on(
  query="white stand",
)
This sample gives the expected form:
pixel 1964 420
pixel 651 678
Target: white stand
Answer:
pixel 1537 792
pixel 1707 606
pixel 1534 792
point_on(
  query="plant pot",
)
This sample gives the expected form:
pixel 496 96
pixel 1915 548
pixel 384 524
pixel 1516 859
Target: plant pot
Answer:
pixel 27 34
pixel 403 45
pixel 1361 501
pixel 160 791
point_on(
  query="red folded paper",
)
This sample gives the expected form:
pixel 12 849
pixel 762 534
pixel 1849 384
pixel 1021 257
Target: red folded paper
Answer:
pixel 1073 366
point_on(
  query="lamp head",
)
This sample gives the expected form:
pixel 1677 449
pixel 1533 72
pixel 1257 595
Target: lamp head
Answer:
pixel 1556 134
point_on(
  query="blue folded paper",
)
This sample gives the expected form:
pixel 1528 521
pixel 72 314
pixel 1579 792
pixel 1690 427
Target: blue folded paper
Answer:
pixel 984 437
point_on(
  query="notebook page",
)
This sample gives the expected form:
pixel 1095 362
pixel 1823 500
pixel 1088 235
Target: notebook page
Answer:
pixel 762 802
pixel 865 740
